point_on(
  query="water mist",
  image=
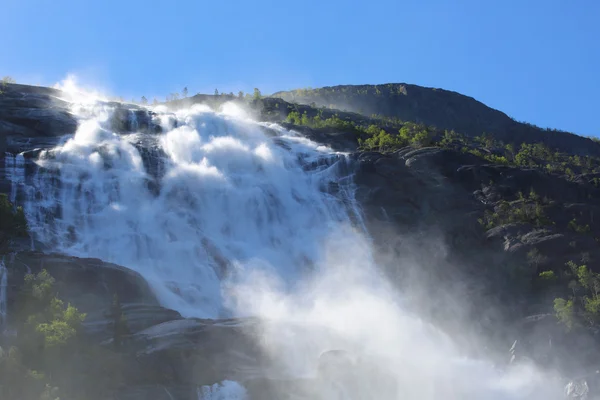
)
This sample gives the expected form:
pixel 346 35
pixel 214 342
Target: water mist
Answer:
pixel 226 216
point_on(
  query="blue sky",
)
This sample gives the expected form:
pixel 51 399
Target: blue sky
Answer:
pixel 536 60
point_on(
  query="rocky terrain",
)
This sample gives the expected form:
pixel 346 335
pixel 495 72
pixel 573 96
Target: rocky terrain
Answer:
pixel 436 107
pixel 492 241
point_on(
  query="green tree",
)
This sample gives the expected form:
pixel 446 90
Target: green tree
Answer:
pixel 547 275
pixel 46 316
pixel 12 219
pixel 564 312
pixel 216 92
pixel 240 95
pixel 8 79
pixel 17 381
pixel 257 94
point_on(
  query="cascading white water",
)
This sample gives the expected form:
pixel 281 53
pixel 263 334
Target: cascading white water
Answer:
pixel 226 197
pixel 133 121
pixel 15 171
pixel 225 215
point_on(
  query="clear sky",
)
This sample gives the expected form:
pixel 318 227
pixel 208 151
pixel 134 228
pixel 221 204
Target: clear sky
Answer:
pixel 536 60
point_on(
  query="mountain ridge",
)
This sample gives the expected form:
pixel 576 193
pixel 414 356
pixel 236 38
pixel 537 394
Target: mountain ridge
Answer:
pixel 482 238
pixel 441 108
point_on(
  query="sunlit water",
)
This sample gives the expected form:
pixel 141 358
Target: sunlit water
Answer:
pixel 226 216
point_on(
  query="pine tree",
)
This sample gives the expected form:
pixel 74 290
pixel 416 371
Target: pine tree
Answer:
pixel 185 91
pixel 144 100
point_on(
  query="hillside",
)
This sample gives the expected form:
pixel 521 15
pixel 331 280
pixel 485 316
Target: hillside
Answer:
pixel 440 108
pixel 493 242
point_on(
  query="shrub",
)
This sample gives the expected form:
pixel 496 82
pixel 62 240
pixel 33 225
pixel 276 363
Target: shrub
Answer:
pixel 12 219
pixel 564 312
pixel 548 275
pixel 576 227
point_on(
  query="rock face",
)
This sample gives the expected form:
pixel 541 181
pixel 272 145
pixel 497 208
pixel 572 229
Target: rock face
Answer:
pixel 33 111
pixel 88 283
pixel 437 107
pixel 424 209
pixel 201 352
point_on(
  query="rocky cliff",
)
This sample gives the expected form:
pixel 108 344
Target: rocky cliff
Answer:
pixel 437 107
pixel 480 233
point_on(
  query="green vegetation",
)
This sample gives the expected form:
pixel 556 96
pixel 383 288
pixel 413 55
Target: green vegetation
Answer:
pixel 51 357
pixel 388 134
pixel 390 99
pixel 12 219
pixel 411 134
pixel 46 334
pixel 574 226
pixel 319 122
pixel 376 137
pixel 48 320
pixel 548 275
pixel 257 95
pixel 6 80
pixel 582 306
pixel 525 209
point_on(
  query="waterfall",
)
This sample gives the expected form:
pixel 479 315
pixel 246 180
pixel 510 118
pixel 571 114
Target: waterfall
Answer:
pixel 15 173
pixel 133 121
pixel 3 295
pixel 225 216
pixel 195 208
pixel 226 390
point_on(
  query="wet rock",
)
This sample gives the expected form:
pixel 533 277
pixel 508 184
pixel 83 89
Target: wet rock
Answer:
pixel 198 352
pixel 89 284
pixel 137 317
pixel 28 109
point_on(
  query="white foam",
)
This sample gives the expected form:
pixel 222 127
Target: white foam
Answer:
pixel 230 200
pixel 226 390
pixel 242 223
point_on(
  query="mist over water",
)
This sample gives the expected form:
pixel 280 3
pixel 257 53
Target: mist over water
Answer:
pixel 190 208
pixel 226 216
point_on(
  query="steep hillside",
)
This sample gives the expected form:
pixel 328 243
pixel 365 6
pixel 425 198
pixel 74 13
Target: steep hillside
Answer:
pixel 440 108
pixel 492 242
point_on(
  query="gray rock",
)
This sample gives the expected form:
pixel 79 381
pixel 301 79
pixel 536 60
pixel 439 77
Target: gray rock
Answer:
pixel 137 317
pixel 87 283
pixel 199 352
